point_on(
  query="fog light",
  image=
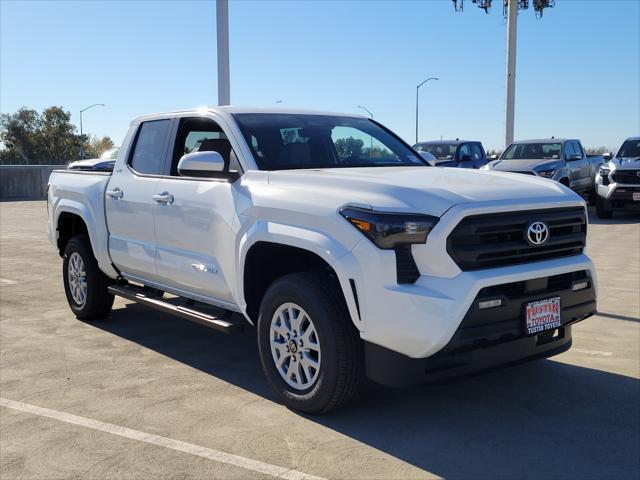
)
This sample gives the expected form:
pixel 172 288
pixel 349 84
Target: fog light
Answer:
pixel 579 286
pixel 490 303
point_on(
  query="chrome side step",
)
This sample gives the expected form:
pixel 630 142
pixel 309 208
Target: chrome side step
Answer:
pixel 137 294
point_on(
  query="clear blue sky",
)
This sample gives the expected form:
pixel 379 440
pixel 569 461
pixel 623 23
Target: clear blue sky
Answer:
pixel 577 73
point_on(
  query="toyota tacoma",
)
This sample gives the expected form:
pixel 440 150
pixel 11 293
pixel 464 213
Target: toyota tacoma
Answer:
pixel 618 181
pixel 348 253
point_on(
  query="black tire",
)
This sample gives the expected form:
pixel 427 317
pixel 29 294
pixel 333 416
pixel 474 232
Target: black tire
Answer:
pixel 342 365
pixel 98 301
pixel 601 209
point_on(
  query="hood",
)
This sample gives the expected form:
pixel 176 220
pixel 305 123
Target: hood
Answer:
pixel 430 190
pixel 524 165
pixel 625 163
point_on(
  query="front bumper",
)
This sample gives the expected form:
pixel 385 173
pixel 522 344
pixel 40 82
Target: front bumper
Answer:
pixel 493 337
pixel 618 197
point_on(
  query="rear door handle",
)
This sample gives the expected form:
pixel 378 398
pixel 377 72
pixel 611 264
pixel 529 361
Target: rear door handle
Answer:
pixel 164 198
pixel 115 193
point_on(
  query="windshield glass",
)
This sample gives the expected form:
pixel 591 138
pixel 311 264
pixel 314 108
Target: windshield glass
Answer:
pixel 630 148
pixel 441 151
pixel 532 151
pixel 291 141
pixel 110 154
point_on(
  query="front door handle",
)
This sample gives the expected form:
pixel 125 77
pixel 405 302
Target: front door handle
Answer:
pixel 164 198
pixel 115 193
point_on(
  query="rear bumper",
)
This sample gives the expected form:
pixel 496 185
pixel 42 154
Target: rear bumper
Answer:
pixel 493 337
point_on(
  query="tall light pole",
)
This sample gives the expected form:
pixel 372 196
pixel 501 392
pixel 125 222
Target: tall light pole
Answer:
pixel 222 24
pixel 81 139
pixel 510 94
pixel 417 100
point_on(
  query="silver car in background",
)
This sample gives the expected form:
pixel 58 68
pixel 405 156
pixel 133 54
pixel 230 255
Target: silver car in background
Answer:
pixel 618 181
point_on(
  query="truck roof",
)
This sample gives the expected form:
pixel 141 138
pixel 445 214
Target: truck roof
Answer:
pixel 457 141
pixel 229 109
pixel 548 140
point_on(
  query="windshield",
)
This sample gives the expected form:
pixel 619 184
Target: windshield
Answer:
pixel 110 154
pixel 291 141
pixel 442 151
pixel 532 151
pixel 630 148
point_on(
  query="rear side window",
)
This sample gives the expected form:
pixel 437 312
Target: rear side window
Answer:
pixel 150 148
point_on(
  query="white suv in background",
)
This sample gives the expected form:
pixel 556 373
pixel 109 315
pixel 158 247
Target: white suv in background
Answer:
pixel 618 181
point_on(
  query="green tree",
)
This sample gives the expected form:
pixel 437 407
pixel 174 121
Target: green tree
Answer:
pixel 96 146
pixel 29 137
pixel 349 147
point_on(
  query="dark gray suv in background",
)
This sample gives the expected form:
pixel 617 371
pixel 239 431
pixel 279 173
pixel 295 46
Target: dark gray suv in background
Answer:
pixel 454 153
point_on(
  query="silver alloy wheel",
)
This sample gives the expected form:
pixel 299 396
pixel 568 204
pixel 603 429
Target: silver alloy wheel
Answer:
pixel 77 275
pixel 295 346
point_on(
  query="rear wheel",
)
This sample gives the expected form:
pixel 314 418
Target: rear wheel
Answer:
pixel 310 350
pixel 601 208
pixel 85 285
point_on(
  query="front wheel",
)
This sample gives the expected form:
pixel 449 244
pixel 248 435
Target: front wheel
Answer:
pixel 310 350
pixel 601 209
pixel 85 285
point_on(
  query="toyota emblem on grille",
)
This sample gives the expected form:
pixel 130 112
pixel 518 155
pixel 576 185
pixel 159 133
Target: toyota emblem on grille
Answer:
pixel 537 233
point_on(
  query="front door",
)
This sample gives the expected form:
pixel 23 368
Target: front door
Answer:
pixel 129 203
pixel 195 227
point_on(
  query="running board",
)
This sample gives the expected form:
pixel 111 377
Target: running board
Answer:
pixel 138 295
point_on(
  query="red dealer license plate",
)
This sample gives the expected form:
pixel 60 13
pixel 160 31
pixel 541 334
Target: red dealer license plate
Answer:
pixel 543 315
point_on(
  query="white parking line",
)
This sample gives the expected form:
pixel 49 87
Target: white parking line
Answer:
pixel 593 352
pixel 5 281
pixel 190 448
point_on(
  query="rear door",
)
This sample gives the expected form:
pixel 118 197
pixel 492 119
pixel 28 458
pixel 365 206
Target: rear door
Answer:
pixel 129 200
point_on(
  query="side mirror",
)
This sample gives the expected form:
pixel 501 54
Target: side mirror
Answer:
pixel 466 158
pixel 607 156
pixel 202 164
pixel 574 156
pixel 493 157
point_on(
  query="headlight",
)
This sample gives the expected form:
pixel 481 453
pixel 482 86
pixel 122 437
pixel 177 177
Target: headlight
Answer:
pixel 604 171
pixel 547 173
pixel 388 230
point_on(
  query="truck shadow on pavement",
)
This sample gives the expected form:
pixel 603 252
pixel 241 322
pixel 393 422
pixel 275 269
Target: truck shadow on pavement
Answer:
pixel 544 419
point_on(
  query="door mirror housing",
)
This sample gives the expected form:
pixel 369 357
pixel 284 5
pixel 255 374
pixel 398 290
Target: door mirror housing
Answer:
pixel 574 156
pixel 466 158
pixel 607 156
pixel 207 164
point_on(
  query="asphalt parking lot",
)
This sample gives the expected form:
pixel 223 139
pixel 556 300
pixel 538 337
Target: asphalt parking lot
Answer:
pixel 145 395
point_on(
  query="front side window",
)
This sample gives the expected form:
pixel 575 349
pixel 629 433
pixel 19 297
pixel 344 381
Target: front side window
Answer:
pixel 199 134
pixel 476 151
pixel 532 151
pixel 293 141
pixel 630 148
pixel 150 148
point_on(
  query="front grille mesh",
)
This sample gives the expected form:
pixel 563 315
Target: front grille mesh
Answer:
pixel 628 177
pixel 499 239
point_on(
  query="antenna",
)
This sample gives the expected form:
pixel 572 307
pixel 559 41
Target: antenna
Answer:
pixel 510 12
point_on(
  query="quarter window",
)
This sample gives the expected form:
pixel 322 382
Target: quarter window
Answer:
pixel 149 153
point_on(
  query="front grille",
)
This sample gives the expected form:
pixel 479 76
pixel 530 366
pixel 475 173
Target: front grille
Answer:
pixel 499 239
pixel 629 177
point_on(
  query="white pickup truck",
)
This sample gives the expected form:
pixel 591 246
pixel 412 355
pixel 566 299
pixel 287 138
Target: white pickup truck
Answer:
pixel 349 253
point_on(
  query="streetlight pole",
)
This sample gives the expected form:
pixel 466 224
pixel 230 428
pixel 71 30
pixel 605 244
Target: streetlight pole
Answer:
pixel 366 110
pixel 81 139
pixel 510 95
pixel 417 100
pixel 222 31
pixel 370 137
